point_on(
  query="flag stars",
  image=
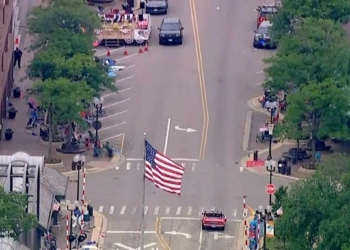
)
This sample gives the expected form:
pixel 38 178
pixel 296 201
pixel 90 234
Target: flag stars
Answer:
pixel 151 154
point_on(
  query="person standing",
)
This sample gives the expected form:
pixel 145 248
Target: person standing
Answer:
pixel 17 57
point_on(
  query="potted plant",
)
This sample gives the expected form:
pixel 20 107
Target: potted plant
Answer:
pixel 17 93
pixel 8 134
pixel 12 112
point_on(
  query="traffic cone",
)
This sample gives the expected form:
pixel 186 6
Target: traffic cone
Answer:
pixel 108 52
pixel 146 46
pixel 125 52
pixel 140 50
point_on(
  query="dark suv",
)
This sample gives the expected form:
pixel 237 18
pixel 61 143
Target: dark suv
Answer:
pixel 170 31
pixel 156 6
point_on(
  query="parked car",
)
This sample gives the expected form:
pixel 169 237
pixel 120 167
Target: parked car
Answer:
pixel 170 31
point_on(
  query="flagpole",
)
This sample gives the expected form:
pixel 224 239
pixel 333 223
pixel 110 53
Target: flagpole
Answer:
pixel 143 195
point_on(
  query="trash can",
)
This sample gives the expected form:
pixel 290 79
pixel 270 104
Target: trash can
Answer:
pixel 8 134
pixel 110 152
pixel 255 155
pixel 283 169
pixel 288 170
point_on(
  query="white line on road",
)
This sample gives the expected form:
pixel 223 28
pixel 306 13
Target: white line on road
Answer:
pixel 128 165
pixel 107 128
pixel 119 91
pixel 100 209
pixel 126 57
pixel 129 232
pixel 156 210
pixel 134 210
pixel 259 72
pixel 167 210
pixel 183 164
pixel 200 239
pixel 201 210
pixel 189 212
pixel 124 79
pixel 138 166
pixel 166 137
pixel 128 67
pixel 247 127
pixel 111 210
pixel 234 212
pixel 193 166
pixel 174 159
pixel 106 117
pixel 109 138
pixel 179 218
pixel 122 211
pixel 111 51
pixel 259 83
pixel 145 210
pixel 178 210
pixel 116 103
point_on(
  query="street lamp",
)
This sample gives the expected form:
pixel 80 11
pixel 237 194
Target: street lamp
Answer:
pixel 98 103
pixel 78 162
pixel 271 105
pixel 264 215
pixel 270 167
pixel 70 208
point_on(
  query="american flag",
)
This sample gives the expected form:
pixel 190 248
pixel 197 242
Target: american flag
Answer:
pixel 162 171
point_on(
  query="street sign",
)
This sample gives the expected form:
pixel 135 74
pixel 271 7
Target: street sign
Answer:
pixel 97 125
pixel 270 189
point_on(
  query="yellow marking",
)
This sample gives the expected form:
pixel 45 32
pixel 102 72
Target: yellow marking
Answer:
pixel 160 236
pixel 201 80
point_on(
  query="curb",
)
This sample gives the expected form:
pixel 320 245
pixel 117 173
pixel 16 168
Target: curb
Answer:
pixel 116 161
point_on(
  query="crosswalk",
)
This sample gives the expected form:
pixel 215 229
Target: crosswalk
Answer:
pixel 132 165
pixel 160 211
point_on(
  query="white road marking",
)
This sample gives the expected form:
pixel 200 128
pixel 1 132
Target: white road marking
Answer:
pixel 122 211
pixel 175 159
pixel 145 210
pixel 134 210
pixel 234 212
pixel 124 79
pixel 138 166
pixel 128 67
pixel 117 168
pixel 189 211
pixel 259 83
pixel 201 210
pixel 200 239
pixel 107 128
pixel 129 232
pixel 178 210
pixel 111 51
pixel 166 136
pixel 193 166
pixel 126 57
pixel 179 218
pixel 167 211
pixel 111 210
pixel 128 165
pixel 119 91
pixel 111 137
pixel 259 72
pixel 116 103
pixel 100 209
pixel 106 117
pixel 183 164
pixel 156 210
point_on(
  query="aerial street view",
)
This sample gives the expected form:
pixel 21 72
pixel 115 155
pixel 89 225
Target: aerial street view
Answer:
pixel 174 125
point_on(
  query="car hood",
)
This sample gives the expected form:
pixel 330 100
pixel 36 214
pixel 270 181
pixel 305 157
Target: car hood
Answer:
pixel 156 4
pixel 214 220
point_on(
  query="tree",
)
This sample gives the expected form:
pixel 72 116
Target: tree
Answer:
pixel 323 107
pixel 14 220
pixel 280 194
pixel 63 100
pixel 296 11
pixel 318 50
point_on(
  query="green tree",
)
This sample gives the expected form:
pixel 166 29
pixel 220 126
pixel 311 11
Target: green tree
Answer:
pixel 63 100
pixel 318 50
pixel 14 220
pixel 323 107
pixel 296 11
pixel 280 194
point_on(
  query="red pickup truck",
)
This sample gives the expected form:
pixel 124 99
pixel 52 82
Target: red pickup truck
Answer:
pixel 213 219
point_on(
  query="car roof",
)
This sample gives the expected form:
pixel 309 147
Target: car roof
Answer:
pixel 171 20
pixel 265 24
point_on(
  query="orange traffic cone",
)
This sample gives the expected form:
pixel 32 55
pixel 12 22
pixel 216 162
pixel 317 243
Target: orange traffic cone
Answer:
pixel 140 50
pixel 146 46
pixel 125 52
pixel 108 53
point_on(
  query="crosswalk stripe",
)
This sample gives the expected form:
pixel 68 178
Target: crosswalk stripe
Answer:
pixel 183 164
pixel 156 210
pixel 100 209
pixel 189 212
pixel 128 165
pixel 111 210
pixel 201 210
pixel 145 209
pixel 178 210
pixel 167 211
pixel 134 210
pixel 138 166
pixel 193 166
pixel 122 211
pixel 234 212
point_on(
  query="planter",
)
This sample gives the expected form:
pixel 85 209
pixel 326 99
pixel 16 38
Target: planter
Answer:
pixel 8 135
pixel 12 114
pixel 306 171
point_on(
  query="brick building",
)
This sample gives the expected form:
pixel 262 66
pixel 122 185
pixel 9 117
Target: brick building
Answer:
pixel 6 53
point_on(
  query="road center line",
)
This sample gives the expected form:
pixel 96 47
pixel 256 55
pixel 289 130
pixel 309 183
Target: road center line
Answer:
pixel 167 137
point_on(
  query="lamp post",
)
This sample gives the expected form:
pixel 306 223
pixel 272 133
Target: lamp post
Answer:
pixel 270 167
pixel 271 105
pixel 70 208
pixel 98 103
pixel 264 215
pixel 78 161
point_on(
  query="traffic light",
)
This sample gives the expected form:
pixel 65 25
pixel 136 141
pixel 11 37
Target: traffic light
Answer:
pixel 82 237
pixel 71 238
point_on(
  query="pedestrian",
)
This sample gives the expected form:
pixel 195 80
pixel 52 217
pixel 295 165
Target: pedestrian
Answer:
pixel 17 57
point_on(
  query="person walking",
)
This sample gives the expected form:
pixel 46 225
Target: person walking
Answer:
pixel 17 57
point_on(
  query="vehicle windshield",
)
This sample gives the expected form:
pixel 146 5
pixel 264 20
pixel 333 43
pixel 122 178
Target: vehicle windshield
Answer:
pixel 170 26
pixel 215 215
pixel 263 30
